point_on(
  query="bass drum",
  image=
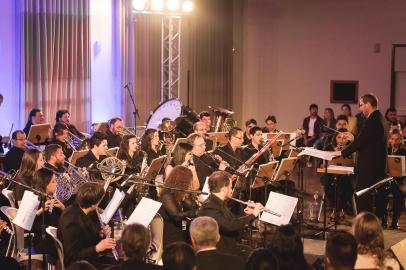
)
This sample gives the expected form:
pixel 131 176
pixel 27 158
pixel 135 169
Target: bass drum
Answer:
pixel 172 108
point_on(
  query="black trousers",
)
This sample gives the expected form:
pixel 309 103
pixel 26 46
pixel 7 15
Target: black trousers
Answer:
pixel 398 200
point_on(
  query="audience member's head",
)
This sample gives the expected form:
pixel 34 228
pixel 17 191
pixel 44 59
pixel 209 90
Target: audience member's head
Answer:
pixel 395 139
pixel 346 109
pixel 262 259
pixel 314 110
pixel 135 241
pixel 342 121
pixel 204 233
pixel 179 256
pixel 391 115
pixel 341 251
pixel 368 232
pixel 288 248
pixel 81 265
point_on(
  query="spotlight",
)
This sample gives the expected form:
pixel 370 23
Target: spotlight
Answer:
pixel 187 6
pixel 157 5
pixel 173 5
pixel 139 5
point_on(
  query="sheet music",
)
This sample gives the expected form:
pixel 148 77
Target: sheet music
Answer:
pixel 205 189
pixel 27 211
pixel 310 151
pixel 281 204
pixel 111 208
pixel 341 168
pixel 144 212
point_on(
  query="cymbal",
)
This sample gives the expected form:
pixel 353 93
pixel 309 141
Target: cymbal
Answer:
pixel 220 110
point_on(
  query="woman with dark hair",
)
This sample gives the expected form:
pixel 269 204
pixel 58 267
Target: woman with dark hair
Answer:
pixel 32 161
pixel 150 144
pixel 329 120
pixel 179 256
pixel 368 232
pixel 44 180
pixel 183 156
pixel 262 259
pixel 288 248
pixel 135 241
pixel 35 117
pixel 176 206
pixel 60 135
pixel 130 153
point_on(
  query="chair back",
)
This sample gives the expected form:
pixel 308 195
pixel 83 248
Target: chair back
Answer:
pixel 52 231
pixel 9 194
pixel 157 236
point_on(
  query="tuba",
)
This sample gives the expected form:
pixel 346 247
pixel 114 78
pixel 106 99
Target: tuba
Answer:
pixel 222 119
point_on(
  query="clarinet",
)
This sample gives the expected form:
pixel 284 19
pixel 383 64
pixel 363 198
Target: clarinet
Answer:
pixel 107 235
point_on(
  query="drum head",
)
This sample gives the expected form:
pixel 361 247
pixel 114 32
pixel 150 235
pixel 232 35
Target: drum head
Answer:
pixel 171 108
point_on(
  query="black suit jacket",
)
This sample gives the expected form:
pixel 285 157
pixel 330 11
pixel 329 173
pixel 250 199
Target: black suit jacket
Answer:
pixel 230 226
pixel 87 160
pixel 12 160
pixel 79 234
pixel 370 146
pixel 133 264
pixel 317 129
pixel 214 260
pixel 227 153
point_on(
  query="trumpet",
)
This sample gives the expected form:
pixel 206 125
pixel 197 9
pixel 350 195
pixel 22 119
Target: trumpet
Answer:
pixel 70 144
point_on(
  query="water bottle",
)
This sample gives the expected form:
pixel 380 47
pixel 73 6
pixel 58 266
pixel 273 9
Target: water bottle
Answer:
pixel 314 207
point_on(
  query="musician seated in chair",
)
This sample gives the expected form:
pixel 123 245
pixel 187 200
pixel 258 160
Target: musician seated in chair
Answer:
pixel 97 152
pixel 80 232
pixel 250 123
pixel 12 160
pixel 54 158
pixel 114 132
pixel 345 183
pixel 201 129
pixel 341 123
pixel 231 152
pixel 135 241
pixel 150 144
pixel 45 181
pixel 230 225
pixel 60 136
pixel 63 116
pixel 395 147
pixel 205 117
pixel 130 153
pixel 177 205
pixel 35 117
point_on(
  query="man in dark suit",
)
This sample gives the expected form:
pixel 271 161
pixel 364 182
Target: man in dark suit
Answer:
pixel 230 225
pixel 97 152
pixel 12 160
pixel 204 233
pixel 80 232
pixel 114 132
pixel 370 146
pixel 312 126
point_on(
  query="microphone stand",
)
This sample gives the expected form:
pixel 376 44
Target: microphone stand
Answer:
pixel 135 112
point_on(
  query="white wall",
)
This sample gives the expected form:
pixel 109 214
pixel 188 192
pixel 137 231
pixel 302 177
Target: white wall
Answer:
pixel 290 50
pixel 106 89
pixel 10 68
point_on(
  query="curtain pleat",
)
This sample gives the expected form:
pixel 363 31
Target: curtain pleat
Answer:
pixel 57 58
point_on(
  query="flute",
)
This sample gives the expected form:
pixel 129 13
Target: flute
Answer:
pixel 107 235
pixel 269 211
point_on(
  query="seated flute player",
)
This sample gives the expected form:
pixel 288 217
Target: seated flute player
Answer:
pixel 220 186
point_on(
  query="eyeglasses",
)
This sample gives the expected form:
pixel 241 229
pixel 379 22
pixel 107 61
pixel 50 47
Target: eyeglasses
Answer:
pixel 240 138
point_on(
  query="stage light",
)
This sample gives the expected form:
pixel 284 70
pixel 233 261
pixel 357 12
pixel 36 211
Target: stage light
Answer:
pixel 187 6
pixel 139 5
pixel 173 5
pixel 157 5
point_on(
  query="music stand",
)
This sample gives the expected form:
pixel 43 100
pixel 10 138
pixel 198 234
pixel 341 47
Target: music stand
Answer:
pixel 112 152
pixel 396 166
pixel 284 169
pixel 342 161
pixel 283 136
pixel 277 148
pixel 155 167
pixel 220 137
pixel 76 155
pixel 39 134
pixel 293 152
pixel 265 171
